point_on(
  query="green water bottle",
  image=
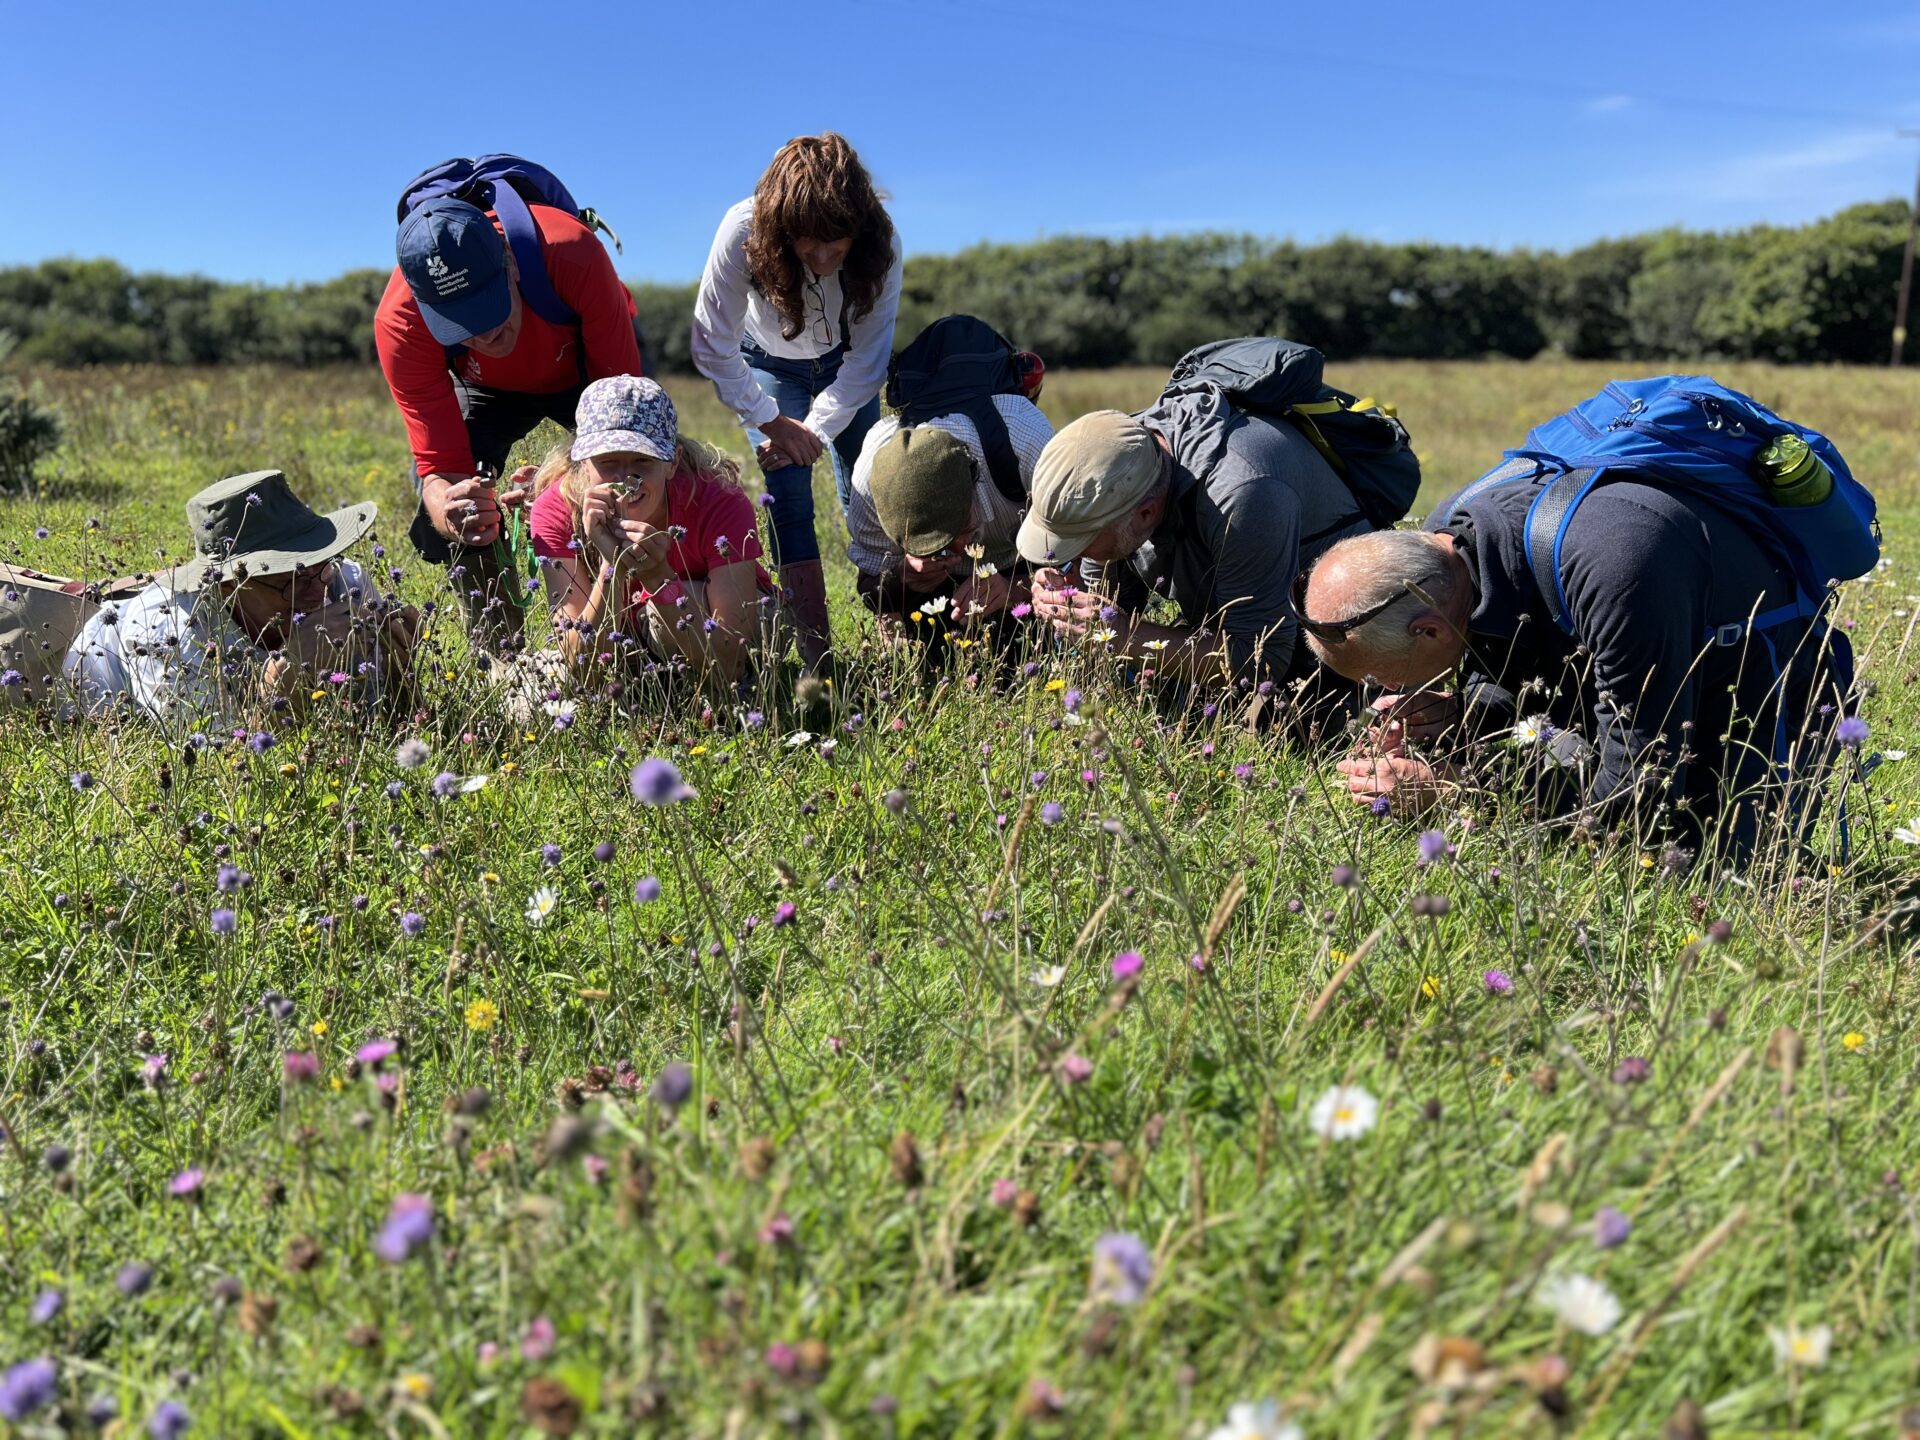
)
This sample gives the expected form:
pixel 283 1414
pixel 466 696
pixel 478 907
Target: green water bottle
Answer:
pixel 1792 473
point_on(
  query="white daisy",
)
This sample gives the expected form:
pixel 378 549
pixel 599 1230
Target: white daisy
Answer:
pixel 1161 645
pixel 1581 1303
pixel 1805 1348
pixel 1255 1420
pixel 1531 731
pixel 985 569
pixel 976 551
pixel 1344 1112
pixel 544 902
pixel 799 738
pixel 1892 755
pixel 1909 833
pixel 560 709
pixel 936 606
pixel 1049 975
pixel 473 783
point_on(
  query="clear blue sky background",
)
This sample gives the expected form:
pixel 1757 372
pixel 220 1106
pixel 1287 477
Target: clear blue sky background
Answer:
pixel 267 141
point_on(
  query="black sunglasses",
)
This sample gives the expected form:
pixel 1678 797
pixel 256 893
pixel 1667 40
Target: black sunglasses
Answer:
pixel 1334 632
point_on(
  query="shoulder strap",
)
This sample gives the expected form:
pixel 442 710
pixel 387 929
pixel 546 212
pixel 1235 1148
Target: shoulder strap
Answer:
pixel 536 287
pixel 1546 531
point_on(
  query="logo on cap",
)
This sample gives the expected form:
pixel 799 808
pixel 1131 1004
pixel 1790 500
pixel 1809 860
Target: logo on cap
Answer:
pixel 436 267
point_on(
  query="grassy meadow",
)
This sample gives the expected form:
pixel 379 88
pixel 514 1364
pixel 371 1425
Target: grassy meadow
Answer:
pixel 394 1158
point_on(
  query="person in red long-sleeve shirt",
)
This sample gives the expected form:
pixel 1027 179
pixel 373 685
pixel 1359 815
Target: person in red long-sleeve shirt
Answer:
pixel 473 368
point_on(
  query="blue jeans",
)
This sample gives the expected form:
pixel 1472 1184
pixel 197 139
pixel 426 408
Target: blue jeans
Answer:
pixel 793 384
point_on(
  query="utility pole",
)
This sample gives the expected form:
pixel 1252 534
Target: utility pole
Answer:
pixel 1906 265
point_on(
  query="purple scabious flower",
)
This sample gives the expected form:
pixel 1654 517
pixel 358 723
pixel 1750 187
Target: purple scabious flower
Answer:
pixel 1051 813
pixel 646 890
pixel 46 1306
pixel 412 754
pixel 1122 1268
pixel 80 780
pixel 1380 807
pixel 224 921
pixel 30 1386
pixel 412 923
pixel 603 852
pixel 395 789
pixel 1070 702
pixel 1852 732
pixel 656 782
pixel 260 742
pixel 1127 964
pixel 133 1278
pixel 1243 772
pixel 169 1421
pixel 1611 1227
pixel 784 913
pixel 409 1225
pixel 1344 877
pixel 228 878
pixel 550 856
pixel 1498 982
pixel 1632 1071
pixel 1037 779
pixel 673 1086
pixel 1433 846
pixel 186 1184
pixel 446 785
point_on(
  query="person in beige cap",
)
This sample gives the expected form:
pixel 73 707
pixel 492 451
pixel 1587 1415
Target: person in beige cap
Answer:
pixel 1195 502
pixel 266 613
pixel 927 524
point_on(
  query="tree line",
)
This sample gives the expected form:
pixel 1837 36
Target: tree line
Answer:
pixel 1818 292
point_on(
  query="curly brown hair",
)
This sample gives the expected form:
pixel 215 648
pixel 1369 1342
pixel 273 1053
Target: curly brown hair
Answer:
pixel 817 189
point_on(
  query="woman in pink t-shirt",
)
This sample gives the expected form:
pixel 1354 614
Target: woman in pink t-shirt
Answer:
pixel 648 532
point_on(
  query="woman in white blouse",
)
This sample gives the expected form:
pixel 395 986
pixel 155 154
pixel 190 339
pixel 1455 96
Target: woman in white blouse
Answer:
pixel 794 326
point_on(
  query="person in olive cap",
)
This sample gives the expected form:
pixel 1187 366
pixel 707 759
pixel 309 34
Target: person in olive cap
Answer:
pixel 1199 503
pixel 927 523
pixel 267 612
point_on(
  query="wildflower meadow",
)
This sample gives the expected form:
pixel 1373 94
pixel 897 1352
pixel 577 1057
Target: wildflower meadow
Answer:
pixel 973 1049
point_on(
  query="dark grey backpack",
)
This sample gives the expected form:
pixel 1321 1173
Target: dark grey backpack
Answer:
pixel 1361 439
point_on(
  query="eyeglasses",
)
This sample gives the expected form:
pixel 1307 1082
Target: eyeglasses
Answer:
pixel 1335 632
pixel 305 580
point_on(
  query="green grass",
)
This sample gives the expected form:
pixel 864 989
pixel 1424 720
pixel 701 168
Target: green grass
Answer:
pixel 899 1001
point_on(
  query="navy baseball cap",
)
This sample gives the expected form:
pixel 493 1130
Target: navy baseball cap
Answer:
pixel 455 263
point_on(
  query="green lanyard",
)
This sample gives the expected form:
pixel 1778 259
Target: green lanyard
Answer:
pixel 515 560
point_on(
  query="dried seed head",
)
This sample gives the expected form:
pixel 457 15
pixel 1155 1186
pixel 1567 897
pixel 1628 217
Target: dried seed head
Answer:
pixel 904 1157
pixel 757 1157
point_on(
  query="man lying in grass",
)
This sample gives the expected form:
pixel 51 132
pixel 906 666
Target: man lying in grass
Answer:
pixel 1628 717
pixel 265 615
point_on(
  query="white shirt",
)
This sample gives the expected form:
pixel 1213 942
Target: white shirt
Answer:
pixel 178 655
pixel 1027 429
pixel 728 307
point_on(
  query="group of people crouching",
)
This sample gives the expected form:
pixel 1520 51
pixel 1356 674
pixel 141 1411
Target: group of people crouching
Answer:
pixel 1204 543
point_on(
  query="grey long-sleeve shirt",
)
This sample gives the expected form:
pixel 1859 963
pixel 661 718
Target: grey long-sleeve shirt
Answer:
pixel 1253 504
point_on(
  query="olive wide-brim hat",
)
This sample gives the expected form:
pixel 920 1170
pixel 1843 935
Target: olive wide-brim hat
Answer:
pixel 254 524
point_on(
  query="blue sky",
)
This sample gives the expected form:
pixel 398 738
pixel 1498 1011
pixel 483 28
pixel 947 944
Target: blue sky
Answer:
pixel 267 141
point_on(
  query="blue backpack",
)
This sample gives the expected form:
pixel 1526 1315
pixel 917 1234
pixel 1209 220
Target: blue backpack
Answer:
pixel 507 185
pixel 1690 434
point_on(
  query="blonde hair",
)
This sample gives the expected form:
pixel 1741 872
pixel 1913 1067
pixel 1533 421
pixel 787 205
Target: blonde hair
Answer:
pixel 692 457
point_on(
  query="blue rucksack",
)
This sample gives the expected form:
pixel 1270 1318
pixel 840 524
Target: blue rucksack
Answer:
pixel 507 185
pixel 1690 434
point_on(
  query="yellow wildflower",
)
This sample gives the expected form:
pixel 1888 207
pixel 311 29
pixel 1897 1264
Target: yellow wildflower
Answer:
pixel 1430 987
pixel 317 1029
pixel 482 1015
pixel 417 1385
pixel 1056 684
pixel 1853 1040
